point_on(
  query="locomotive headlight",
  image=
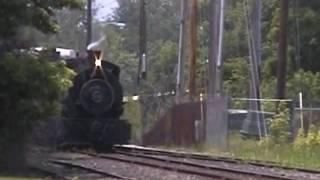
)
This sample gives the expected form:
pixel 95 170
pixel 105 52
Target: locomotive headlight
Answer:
pixel 98 58
pixel 97 63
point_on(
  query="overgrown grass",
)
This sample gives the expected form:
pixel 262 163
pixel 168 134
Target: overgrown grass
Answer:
pixel 251 149
pixel 284 154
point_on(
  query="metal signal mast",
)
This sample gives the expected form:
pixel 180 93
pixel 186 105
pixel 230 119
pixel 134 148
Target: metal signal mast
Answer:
pixel 180 69
pixel 89 22
pixel 142 69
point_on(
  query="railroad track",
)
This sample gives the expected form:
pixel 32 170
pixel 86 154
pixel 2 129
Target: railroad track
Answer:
pixel 153 151
pixel 76 171
pixel 69 164
pixel 49 173
pixel 182 166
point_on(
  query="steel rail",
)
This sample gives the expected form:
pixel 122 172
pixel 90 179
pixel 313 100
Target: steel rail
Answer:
pixel 175 165
pixel 70 164
pixel 211 167
pixel 268 164
pixel 167 166
pixel 48 172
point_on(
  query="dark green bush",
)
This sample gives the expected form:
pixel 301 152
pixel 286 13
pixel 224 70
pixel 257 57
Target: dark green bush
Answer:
pixel 30 88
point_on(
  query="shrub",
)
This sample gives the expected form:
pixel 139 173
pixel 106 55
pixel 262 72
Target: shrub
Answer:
pixel 30 88
pixel 279 125
pixel 310 141
pixel 300 141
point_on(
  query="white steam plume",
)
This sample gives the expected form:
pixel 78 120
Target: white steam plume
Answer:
pixel 96 43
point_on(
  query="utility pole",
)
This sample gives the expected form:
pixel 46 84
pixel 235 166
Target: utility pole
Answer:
pixel 282 50
pixel 253 17
pixel 216 112
pixel 142 69
pixel 180 71
pixel 216 31
pixel 193 49
pixel 89 22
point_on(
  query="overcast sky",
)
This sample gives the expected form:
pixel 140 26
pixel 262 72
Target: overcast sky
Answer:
pixel 106 8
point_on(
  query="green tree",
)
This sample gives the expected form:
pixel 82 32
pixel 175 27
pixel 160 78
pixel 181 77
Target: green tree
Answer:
pixel 279 125
pixel 306 82
pixel 162 63
pixel 236 77
pixel 30 88
pixel 162 21
pixel 303 34
pixel 38 14
pixel 72 31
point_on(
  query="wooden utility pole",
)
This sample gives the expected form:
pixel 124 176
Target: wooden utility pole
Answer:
pixel 142 69
pixel 282 50
pixel 180 71
pixel 89 22
pixel 193 49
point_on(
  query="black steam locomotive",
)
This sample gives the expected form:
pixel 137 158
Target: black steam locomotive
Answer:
pixel 93 106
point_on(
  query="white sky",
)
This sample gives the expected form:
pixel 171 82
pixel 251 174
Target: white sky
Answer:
pixel 106 8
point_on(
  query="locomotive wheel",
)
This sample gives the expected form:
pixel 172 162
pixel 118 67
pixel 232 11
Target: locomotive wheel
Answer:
pixel 97 96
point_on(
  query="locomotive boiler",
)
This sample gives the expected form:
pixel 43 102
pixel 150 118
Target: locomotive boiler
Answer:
pixel 93 107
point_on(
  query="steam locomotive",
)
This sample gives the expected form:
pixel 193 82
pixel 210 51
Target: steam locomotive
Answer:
pixel 93 106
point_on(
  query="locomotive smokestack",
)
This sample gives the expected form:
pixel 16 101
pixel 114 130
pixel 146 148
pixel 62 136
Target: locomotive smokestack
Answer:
pixel 94 55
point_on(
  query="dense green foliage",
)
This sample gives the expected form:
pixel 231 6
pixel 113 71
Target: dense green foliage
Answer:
pixel 310 141
pixel 30 84
pixel 30 89
pixel 279 125
pixel 16 15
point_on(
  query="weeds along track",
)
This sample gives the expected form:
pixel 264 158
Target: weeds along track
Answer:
pixel 177 164
pixel 195 156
